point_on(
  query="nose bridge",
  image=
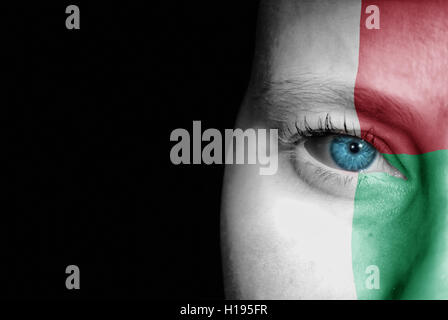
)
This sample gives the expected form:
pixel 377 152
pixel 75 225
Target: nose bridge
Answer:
pixel 428 277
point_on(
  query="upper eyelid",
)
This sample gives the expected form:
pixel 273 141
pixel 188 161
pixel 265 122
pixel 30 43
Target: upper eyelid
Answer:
pixel 375 140
pixel 292 132
pixel 325 125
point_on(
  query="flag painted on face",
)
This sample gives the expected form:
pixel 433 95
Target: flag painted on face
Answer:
pixel 401 100
pixel 313 230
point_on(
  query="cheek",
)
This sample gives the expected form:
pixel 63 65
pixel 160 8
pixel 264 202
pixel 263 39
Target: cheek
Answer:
pixel 400 227
pixel 284 239
pixel 384 233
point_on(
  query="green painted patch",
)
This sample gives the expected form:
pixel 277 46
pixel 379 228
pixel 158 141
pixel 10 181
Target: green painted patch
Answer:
pixel 401 226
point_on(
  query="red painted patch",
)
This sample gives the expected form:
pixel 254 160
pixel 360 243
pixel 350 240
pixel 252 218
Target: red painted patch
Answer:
pixel 401 91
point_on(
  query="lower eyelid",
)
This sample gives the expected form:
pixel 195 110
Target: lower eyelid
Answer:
pixel 326 179
pixel 382 165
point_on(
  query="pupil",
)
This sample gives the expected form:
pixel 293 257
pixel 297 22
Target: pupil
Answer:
pixel 354 147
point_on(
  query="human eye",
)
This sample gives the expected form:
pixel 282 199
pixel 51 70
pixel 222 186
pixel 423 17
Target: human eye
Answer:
pixel 342 152
pixel 329 158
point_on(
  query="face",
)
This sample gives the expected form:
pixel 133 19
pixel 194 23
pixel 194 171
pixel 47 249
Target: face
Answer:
pixel 358 207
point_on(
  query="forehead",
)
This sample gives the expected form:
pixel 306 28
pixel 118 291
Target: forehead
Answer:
pixel 308 37
pixel 408 56
pixel 406 59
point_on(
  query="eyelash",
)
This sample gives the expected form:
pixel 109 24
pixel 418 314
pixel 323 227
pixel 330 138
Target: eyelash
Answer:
pixel 324 127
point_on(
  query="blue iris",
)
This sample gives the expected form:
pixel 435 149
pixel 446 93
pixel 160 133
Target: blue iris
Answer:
pixel 352 154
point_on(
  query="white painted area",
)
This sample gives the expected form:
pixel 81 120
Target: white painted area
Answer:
pixel 283 239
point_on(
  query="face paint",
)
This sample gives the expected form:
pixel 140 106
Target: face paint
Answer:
pixel 292 235
pixel 400 225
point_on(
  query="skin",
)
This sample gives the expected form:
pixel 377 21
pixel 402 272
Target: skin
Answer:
pixel 400 225
pixel 293 236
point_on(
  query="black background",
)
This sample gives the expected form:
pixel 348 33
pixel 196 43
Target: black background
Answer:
pixel 87 120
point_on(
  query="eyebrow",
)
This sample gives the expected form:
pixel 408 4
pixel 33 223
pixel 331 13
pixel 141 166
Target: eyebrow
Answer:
pixel 281 100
